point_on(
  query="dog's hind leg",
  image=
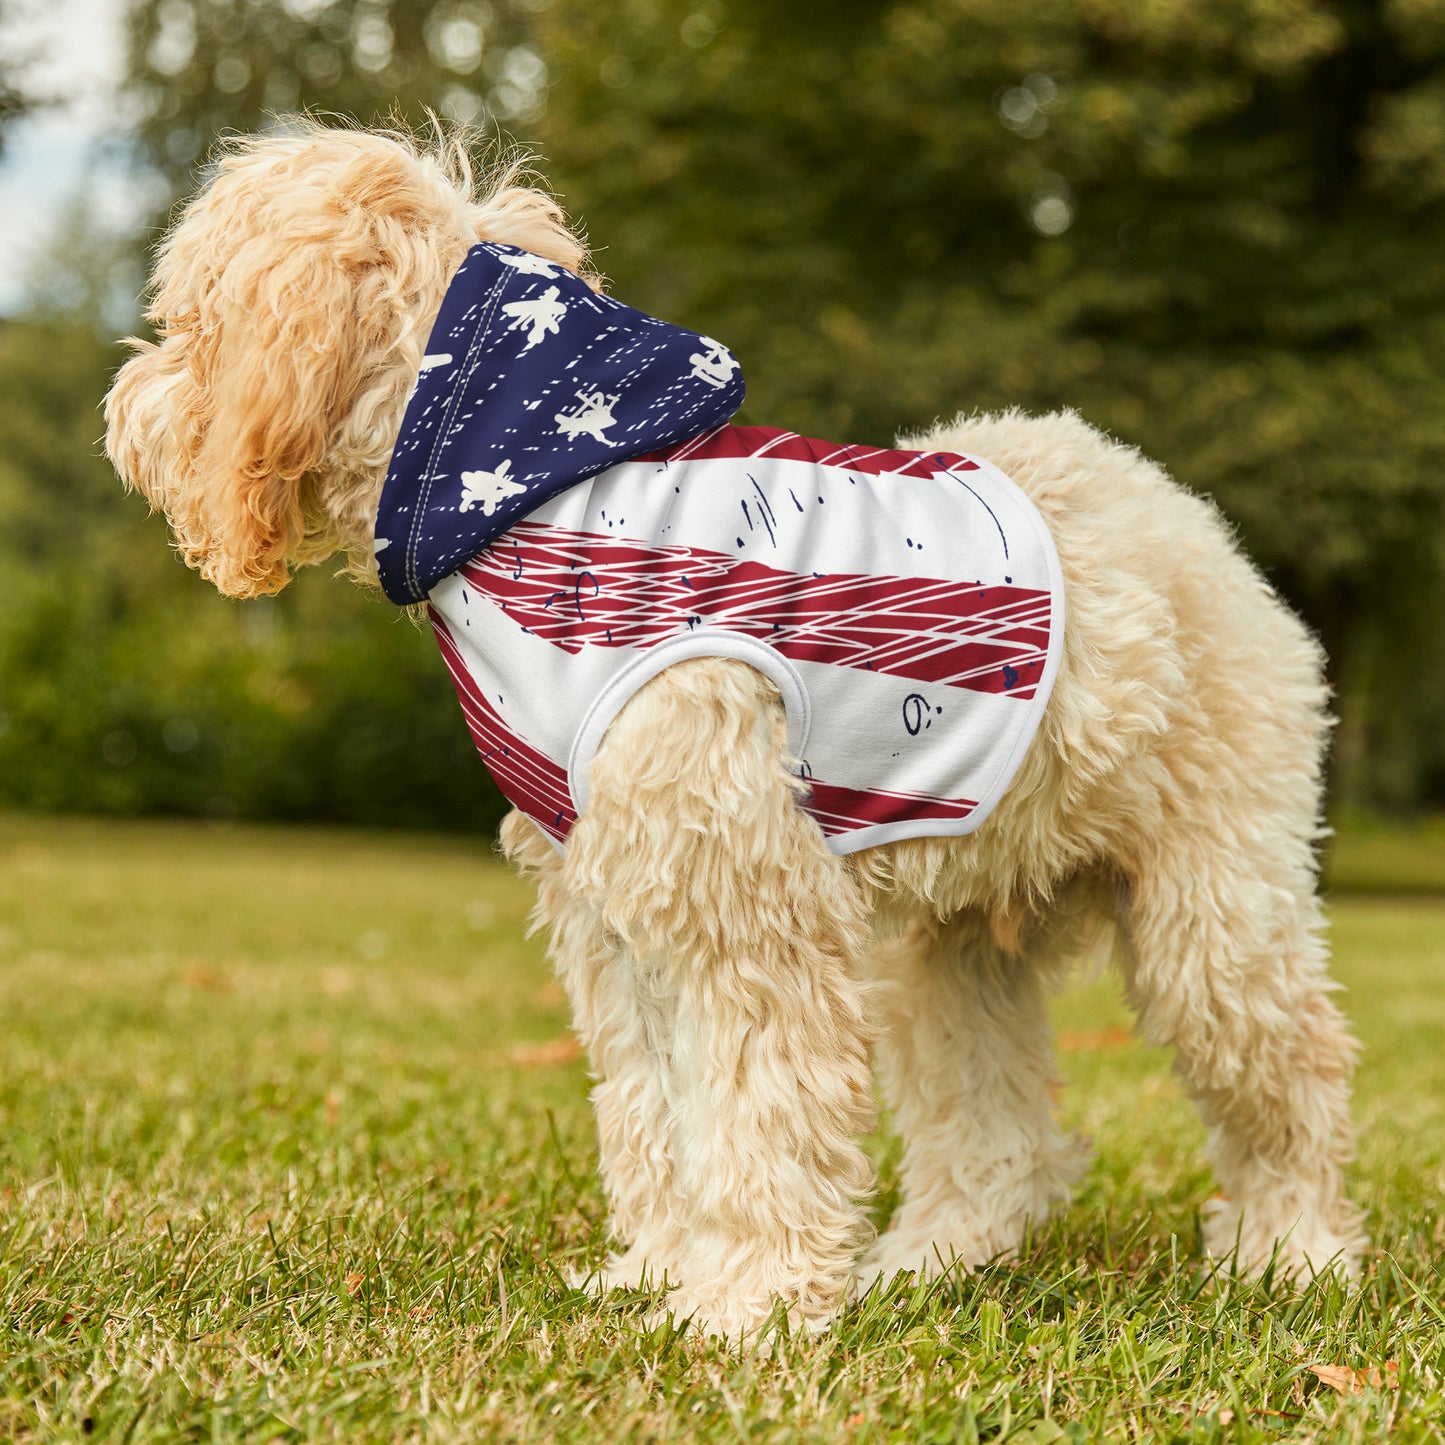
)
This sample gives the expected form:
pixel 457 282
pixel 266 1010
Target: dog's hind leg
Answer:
pixel 1228 965
pixel 966 1062
pixel 745 932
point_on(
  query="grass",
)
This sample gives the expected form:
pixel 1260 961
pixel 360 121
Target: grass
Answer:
pixel 1370 855
pixel 292 1146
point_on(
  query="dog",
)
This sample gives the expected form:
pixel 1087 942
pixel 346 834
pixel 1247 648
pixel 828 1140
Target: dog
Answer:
pixel 731 974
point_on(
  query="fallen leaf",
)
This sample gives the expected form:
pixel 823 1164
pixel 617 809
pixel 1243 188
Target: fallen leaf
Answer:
pixel 1084 1041
pixel 201 975
pixel 552 1051
pixel 1346 1381
pixel 354 1283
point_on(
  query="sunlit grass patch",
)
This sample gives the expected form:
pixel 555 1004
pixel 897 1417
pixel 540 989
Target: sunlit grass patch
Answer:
pixel 293 1145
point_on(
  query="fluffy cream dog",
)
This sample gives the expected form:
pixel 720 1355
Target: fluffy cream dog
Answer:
pixel 730 977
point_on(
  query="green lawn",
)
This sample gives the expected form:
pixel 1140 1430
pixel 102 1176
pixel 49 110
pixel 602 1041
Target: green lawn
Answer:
pixel 292 1146
pixel 1370 856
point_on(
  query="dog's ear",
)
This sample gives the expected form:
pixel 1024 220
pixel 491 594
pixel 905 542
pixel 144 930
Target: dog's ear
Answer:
pixel 277 352
pixel 223 422
pixel 289 299
pixel 148 410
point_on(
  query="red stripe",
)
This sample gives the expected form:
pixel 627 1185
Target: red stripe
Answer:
pixel 729 442
pixel 841 810
pixel 528 779
pixel 576 589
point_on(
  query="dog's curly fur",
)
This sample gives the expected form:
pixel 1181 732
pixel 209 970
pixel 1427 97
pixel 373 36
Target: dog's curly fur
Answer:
pixel 730 976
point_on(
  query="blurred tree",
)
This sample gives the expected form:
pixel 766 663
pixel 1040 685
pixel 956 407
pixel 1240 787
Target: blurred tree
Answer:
pixel 1213 226
pixel 202 67
pixel 14 100
pixel 127 685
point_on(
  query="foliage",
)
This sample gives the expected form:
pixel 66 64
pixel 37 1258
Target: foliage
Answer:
pixel 201 67
pixel 273 1164
pixel 14 99
pixel 127 685
pixel 1214 228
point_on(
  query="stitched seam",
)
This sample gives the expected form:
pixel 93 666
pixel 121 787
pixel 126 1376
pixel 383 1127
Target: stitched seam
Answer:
pixel 464 377
pixel 468 368
pixel 624 682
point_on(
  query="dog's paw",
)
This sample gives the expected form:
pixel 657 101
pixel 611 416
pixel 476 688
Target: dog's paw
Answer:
pixel 908 1251
pixel 1299 1246
pixel 882 1271
pixel 752 1324
pixel 634 1270
pixel 964 1229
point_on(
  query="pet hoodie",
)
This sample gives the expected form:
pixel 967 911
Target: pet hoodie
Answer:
pixel 569 497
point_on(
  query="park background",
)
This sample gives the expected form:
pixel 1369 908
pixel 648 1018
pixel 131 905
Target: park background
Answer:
pixel 1216 228
pixel 294 1140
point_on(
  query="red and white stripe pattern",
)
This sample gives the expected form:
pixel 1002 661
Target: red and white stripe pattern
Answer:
pixel 529 780
pixel 576 589
pixel 534 783
pixel 928 574
pixel 750 442
pixel 845 810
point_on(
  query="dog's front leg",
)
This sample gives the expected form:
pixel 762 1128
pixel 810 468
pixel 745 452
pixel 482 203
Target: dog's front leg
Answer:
pixel 624 1024
pixel 742 933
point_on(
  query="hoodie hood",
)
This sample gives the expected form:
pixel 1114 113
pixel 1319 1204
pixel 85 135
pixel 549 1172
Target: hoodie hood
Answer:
pixel 531 383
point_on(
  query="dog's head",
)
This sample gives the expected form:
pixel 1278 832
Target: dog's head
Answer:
pixel 292 301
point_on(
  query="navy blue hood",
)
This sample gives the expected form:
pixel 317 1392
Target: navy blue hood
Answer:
pixel 531 383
